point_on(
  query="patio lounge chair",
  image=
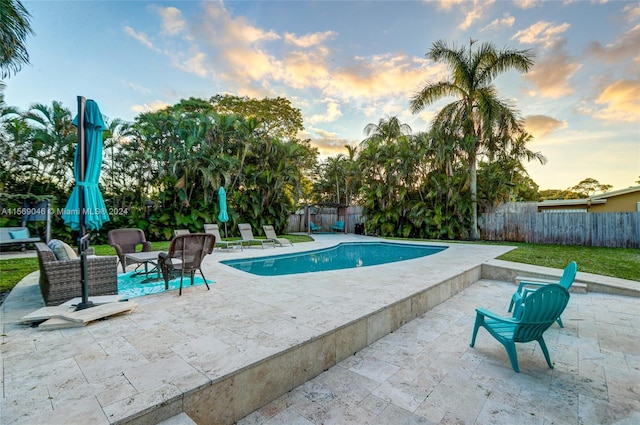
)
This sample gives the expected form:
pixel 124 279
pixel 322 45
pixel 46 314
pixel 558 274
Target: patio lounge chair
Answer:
pixel 126 241
pixel 185 255
pixel 338 227
pixel 178 232
pixel 528 285
pixel 538 312
pixel 270 233
pixel 313 227
pixel 246 233
pixel 215 231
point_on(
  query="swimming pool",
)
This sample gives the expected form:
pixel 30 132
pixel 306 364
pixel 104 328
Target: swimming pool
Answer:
pixel 345 255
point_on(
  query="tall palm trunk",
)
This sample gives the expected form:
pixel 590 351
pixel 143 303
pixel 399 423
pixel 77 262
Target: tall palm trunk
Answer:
pixel 473 187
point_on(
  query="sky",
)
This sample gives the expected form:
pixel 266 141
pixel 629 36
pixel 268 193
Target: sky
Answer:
pixel 346 64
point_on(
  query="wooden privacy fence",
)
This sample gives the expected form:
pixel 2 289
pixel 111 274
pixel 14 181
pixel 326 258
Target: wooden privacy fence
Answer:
pixel 325 218
pixel 615 230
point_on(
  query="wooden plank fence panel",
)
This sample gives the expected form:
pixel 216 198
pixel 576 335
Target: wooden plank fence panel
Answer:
pixel 620 230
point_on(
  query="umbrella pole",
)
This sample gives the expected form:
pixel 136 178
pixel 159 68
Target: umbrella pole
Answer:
pixel 83 238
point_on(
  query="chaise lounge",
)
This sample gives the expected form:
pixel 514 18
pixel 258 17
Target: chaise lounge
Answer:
pixel 246 233
pixel 214 229
pixel 270 233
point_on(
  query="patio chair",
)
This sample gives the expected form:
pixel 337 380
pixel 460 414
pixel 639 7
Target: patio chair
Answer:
pixel 313 227
pixel 246 234
pixel 526 284
pixel 538 312
pixel 270 233
pixel 338 227
pixel 60 278
pixel 185 255
pixel 126 241
pixel 215 231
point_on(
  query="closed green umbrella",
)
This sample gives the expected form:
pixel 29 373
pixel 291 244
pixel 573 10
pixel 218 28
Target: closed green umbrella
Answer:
pixel 86 190
pixel 223 216
pixel 85 208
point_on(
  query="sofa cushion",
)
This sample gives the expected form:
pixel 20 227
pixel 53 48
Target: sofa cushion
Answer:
pixel 61 250
pixel 19 234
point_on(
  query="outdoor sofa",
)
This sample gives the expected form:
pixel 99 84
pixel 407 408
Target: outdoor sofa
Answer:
pixel 16 236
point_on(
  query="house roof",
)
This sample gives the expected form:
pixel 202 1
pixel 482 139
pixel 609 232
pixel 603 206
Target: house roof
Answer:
pixel 619 192
pixel 595 199
pixel 571 202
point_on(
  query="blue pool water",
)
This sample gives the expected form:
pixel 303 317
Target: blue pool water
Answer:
pixel 345 255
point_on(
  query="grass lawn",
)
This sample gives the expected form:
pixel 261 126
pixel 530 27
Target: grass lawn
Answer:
pixel 623 263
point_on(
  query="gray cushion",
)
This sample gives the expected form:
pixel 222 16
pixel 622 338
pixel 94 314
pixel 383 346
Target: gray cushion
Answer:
pixel 61 250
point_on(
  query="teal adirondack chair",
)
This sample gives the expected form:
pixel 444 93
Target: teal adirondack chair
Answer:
pixel 524 288
pixel 339 226
pixel 313 227
pixel 538 312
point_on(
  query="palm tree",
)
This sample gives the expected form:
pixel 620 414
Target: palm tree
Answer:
pixel 478 114
pixel 388 130
pixel 52 144
pixel 14 29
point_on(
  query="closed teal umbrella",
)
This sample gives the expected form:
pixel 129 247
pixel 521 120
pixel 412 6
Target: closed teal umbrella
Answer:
pixel 223 216
pixel 93 208
pixel 85 208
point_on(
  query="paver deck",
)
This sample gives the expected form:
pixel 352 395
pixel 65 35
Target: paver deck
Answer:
pixel 426 373
pixel 218 355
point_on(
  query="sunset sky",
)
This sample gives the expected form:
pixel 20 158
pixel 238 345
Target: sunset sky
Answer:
pixel 346 64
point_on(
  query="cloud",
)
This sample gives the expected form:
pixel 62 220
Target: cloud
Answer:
pixel 236 47
pixel 449 4
pixel 172 21
pixel 327 142
pixel 623 48
pixel 631 11
pixel 551 74
pixel 618 101
pixel 138 88
pixel 542 33
pixel 302 70
pixel 150 107
pixel 540 126
pixel 140 36
pixel 195 63
pixel 526 4
pixel 231 50
pixel 474 13
pixel 378 76
pixel 308 40
pixel 332 112
pixel 506 21
pixel 472 10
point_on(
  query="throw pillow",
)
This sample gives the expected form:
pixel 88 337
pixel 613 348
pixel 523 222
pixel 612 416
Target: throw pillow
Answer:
pixel 19 234
pixel 61 250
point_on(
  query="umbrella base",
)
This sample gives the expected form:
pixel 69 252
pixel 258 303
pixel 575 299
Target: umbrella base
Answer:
pixel 85 305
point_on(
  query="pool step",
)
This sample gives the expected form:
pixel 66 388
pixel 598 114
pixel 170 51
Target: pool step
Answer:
pixel 179 419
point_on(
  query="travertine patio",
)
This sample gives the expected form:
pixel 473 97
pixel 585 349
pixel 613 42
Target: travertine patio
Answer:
pixel 218 355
